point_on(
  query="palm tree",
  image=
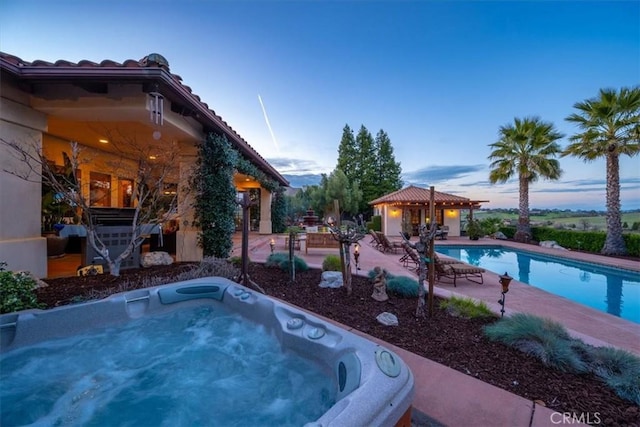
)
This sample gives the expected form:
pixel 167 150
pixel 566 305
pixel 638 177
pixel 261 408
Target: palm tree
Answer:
pixel 526 148
pixel 610 125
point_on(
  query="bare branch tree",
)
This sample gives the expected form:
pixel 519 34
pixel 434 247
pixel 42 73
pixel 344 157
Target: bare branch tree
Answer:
pixel 149 169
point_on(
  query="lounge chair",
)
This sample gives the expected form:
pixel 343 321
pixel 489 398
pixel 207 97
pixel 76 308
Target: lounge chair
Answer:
pixel 375 241
pixel 443 233
pixel 459 269
pixel 410 259
pixel 388 245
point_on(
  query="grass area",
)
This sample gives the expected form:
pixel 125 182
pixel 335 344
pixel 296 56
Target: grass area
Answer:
pixel 560 218
pixel 466 307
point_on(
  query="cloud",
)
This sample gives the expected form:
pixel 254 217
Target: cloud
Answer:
pixel 434 174
pixel 292 166
pixel 299 181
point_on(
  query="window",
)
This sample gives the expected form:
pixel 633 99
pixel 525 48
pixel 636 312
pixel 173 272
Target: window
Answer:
pixel 126 193
pixel 100 189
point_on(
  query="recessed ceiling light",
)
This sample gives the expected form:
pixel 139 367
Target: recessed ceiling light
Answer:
pixel 103 141
pixel 152 157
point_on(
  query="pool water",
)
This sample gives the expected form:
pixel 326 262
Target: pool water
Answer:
pixel 611 290
pixel 196 366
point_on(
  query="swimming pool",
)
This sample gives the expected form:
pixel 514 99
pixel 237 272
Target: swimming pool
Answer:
pixel 201 352
pixel 611 290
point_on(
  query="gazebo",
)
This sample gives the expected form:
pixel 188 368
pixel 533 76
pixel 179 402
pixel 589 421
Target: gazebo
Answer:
pixel 409 207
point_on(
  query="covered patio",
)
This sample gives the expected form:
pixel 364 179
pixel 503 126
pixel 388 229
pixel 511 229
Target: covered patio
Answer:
pixel 115 112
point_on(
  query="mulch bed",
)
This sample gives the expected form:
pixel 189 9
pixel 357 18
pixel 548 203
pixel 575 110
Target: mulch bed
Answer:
pixel 452 341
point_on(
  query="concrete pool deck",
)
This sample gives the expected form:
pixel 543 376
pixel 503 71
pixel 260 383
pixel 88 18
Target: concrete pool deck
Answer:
pixel 449 397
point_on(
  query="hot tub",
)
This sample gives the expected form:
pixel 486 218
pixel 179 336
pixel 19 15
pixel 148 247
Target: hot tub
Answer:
pixel 369 385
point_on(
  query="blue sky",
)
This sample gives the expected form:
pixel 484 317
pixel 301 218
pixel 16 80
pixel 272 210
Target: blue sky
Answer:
pixel 440 77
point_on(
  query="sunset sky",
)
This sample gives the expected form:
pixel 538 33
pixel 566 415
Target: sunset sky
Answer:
pixel 439 77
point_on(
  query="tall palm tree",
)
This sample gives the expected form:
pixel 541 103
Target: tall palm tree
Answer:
pixel 610 125
pixel 526 148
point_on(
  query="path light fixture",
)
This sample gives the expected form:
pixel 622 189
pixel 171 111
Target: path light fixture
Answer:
pixel 356 255
pixel 272 244
pixel 505 280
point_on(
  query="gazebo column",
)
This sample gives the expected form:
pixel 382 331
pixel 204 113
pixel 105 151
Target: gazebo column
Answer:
pixel 265 212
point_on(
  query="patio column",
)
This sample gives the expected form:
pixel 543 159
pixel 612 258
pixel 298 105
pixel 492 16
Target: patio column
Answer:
pixel 265 211
pixel 187 248
pixel 22 246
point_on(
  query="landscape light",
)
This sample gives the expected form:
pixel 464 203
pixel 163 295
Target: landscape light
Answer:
pixel 505 280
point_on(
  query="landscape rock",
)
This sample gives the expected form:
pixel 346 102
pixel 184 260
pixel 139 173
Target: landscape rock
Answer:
pixel 150 259
pixel 500 235
pixel 387 319
pixel 551 244
pixel 331 279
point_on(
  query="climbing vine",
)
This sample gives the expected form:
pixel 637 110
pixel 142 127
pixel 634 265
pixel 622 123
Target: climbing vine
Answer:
pixel 246 167
pixel 215 201
pixel 278 211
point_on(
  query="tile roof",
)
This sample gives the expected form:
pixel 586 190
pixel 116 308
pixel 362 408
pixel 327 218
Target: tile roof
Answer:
pixel 413 194
pixel 140 67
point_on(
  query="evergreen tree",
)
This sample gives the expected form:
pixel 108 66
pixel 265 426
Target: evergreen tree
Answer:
pixel 347 193
pixel 389 171
pixel 278 211
pixel 348 154
pixel 370 164
pixel 367 171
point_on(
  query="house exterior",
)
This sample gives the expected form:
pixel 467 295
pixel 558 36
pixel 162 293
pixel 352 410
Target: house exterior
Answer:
pixel 52 104
pixel 410 206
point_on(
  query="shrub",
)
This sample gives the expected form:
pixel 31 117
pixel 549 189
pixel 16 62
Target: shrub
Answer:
pixel 591 241
pixel 17 291
pixel 281 261
pixel 547 340
pixel 375 224
pixel 551 343
pixel 331 263
pixel 402 286
pixel 619 369
pixel 212 266
pixel 237 261
pixel 466 307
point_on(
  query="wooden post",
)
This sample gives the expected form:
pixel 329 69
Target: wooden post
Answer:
pixel 244 275
pixel 432 265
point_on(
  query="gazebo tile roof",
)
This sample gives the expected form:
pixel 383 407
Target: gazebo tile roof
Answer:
pixel 413 194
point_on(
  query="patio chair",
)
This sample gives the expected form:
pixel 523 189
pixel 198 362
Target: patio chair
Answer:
pixel 410 259
pixel 443 233
pixel 388 245
pixel 459 269
pixel 375 241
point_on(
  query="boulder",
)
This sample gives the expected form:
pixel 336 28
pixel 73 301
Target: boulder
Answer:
pixel 387 319
pixel 149 259
pixel 551 244
pixel 331 279
pixel 500 235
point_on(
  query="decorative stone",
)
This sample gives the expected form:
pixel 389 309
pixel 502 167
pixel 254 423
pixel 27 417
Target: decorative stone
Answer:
pixel 500 235
pixel 387 319
pixel 380 285
pixel 149 259
pixel 551 244
pixel 331 279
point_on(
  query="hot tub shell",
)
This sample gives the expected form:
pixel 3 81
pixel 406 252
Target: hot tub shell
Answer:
pixel 374 387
